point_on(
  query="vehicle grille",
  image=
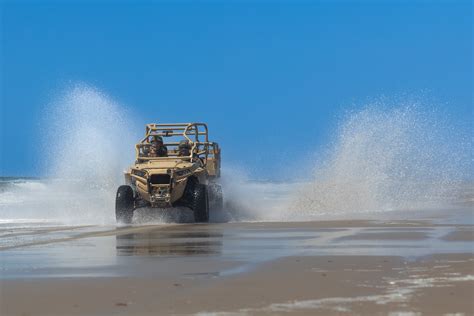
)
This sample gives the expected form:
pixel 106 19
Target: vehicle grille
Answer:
pixel 160 179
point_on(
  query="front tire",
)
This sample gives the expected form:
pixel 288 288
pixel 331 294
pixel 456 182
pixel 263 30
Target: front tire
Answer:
pixel 124 204
pixel 200 203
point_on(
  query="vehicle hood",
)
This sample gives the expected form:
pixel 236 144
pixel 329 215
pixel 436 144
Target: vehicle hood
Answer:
pixel 160 165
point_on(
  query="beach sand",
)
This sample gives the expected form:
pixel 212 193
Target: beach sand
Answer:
pixel 393 267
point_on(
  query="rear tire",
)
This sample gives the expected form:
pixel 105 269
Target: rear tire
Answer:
pixel 200 203
pixel 124 204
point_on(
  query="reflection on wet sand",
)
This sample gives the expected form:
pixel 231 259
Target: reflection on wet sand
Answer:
pixel 364 268
pixel 169 243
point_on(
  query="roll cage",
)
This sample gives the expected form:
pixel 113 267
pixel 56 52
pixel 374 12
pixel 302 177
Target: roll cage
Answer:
pixel 195 133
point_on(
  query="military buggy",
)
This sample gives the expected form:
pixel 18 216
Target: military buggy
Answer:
pixel 187 175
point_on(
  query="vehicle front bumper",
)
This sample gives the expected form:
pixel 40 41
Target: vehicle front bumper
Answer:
pixel 160 196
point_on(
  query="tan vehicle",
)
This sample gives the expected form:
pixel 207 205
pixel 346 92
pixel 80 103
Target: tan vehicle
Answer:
pixel 183 170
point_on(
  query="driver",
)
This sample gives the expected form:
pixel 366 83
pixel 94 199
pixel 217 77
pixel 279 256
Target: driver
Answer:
pixel 157 149
pixel 184 148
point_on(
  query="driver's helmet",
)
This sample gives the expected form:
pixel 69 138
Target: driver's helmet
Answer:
pixel 184 144
pixel 184 148
pixel 155 139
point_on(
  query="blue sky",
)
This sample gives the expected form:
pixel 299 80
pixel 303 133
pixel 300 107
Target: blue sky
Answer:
pixel 268 76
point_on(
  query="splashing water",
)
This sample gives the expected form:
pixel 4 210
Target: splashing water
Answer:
pixel 383 158
pixel 89 137
pixel 252 200
pixel 86 147
pixel 395 159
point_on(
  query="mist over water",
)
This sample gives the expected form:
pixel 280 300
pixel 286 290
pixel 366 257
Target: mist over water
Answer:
pixel 385 157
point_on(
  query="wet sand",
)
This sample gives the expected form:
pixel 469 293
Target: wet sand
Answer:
pixel 309 268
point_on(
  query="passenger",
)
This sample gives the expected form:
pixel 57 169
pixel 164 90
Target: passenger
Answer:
pixel 184 148
pixel 157 149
